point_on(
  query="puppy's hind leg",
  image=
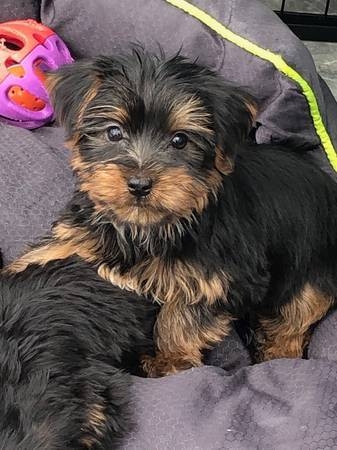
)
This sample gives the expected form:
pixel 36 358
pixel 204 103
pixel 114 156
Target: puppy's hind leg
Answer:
pixel 285 335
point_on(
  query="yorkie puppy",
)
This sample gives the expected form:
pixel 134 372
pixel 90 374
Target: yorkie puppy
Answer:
pixel 174 203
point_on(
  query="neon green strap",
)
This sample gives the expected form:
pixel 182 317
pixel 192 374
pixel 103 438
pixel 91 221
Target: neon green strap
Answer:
pixel 274 59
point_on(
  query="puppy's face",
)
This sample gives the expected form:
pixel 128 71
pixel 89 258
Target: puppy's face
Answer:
pixel 151 138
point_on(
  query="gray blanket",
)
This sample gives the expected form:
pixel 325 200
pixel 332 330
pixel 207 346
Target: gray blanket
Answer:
pixel 228 404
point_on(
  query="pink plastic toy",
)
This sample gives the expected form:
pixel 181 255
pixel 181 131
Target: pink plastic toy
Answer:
pixel 27 50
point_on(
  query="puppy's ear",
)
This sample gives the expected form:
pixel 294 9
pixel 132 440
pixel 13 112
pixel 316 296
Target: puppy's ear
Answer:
pixel 234 116
pixel 71 88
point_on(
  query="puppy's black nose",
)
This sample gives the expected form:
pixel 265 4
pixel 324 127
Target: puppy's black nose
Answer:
pixel 140 186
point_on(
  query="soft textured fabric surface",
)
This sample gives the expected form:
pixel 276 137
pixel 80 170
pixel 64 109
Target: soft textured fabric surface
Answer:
pixel 281 404
pixel 19 9
pixel 35 183
pixel 286 404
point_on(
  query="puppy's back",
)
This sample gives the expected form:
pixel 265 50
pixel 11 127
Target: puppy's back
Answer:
pixel 284 187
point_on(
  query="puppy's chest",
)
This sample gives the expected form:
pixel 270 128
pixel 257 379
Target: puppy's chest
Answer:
pixel 170 282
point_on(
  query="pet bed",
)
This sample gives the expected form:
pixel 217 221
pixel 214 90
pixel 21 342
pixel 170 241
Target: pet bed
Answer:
pixel 227 404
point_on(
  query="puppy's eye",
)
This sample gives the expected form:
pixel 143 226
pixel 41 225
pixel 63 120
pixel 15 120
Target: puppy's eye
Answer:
pixel 115 133
pixel 179 140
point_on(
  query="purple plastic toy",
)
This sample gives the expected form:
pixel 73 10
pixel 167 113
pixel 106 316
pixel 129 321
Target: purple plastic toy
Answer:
pixel 27 50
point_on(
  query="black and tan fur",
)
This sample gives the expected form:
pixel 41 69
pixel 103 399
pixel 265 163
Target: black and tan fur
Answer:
pixel 69 341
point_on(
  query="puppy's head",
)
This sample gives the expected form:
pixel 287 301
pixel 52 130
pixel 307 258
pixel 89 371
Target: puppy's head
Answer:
pixel 151 137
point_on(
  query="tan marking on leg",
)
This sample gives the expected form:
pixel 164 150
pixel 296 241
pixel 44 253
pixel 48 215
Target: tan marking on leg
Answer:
pixel 286 335
pixel 181 338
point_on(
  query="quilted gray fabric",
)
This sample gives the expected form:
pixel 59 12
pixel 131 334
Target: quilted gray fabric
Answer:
pixel 35 182
pixel 282 405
